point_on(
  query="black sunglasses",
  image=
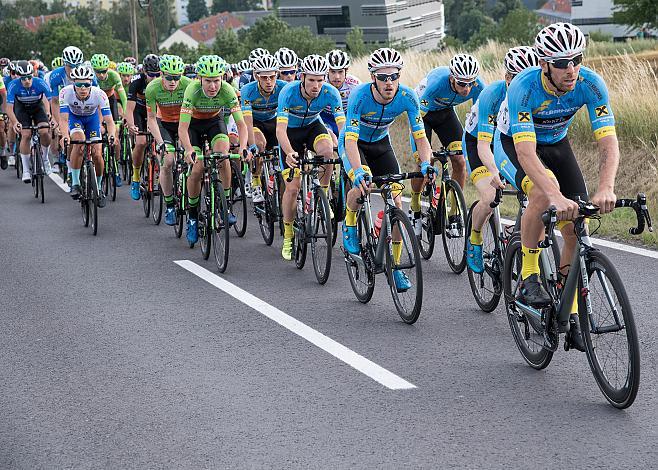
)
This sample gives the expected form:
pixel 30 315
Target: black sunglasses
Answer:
pixel 564 63
pixel 172 78
pixel 464 84
pixel 101 71
pixel 288 72
pixel 25 78
pixel 82 85
pixel 387 77
pixel 153 74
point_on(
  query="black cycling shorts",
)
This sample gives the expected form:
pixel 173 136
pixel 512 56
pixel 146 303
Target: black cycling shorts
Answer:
pixel 207 130
pixel 305 136
pixel 558 158
pixel 139 116
pixel 30 115
pixel 446 126
pixel 268 129
pixel 379 156
pixel 474 165
pixel 114 108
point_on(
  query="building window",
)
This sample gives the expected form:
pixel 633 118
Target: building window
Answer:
pixel 334 21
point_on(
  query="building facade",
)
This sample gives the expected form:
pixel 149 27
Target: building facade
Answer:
pixel 417 23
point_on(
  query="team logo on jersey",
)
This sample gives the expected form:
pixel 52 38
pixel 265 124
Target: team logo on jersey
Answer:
pixel 524 116
pixel 354 122
pixel 338 109
pixel 93 134
pixel 247 102
pixel 419 119
pixel 424 102
pixel 492 119
pixel 77 125
pixel 601 111
pixel 286 110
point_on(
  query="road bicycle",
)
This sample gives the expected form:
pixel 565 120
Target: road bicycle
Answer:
pixel 89 192
pixel 149 183
pixel 36 161
pixel 269 212
pixel 110 168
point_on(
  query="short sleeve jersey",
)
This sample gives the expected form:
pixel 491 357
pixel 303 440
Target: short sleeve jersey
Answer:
pixel 70 103
pixel 59 79
pixel 255 104
pixel 166 104
pixel 199 106
pixel 481 121
pixel 350 83
pixel 111 83
pixel 436 93
pixel 31 96
pixel 532 113
pixel 296 111
pixel 369 121
pixel 137 90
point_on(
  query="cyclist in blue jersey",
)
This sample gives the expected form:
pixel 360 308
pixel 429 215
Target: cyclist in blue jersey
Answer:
pixel 288 64
pixel 259 103
pixel 365 146
pixel 248 74
pixel 477 147
pixel 11 135
pixel 532 149
pixel 339 62
pixel 27 105
pixel 298 126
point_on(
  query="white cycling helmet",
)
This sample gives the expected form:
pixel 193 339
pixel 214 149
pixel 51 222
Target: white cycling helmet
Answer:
pixel 256 53
pixel 243 66
pixel 383 58
pixel 559 41
pixel 520 58
pixel 24 68
pixel 265 63
pixel 464 67
pixel 287 58
pixel 314 64
pixel 338 60
pixel 72 55
pixel 83 72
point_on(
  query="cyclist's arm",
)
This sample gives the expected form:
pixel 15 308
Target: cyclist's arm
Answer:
pixel 243 133
pixel 282 123
pixel 121 93
pixel 54 108
pixel 129 113
pixel 3 95
pixel 337 106
pixel 64 124
pixel 153 127
pixel 46 105
pixel 10 113
pixel 247 114
pixel 418 128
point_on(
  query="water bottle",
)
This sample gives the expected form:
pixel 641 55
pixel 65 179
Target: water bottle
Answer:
pixel 309 209
pixel 437 195
pixel 270 185
pixel 378 222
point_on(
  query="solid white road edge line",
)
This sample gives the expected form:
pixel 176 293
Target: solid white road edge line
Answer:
pixel 349 357
pixel 59 182
pixel 597 241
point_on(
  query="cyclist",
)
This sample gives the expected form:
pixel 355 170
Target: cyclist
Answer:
pixel 288 64
pixel 136 115
pixel 11 135
pixel 477 147
pixel 365 146
pixel 126 71
pixel 298 125
pixel 80 104
pixel 338 62
pixel 164 97
pixel 259 104
pixel 533 151
pixel 27 104
pixel 190 71
pixel 4 162
pixel 200 121
pixel 247 75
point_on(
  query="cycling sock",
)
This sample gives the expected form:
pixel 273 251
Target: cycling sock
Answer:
pixel 574 305
pixel 415 201
pixel 287 230
pixel 326 189
pixel 26 162
pixel 99 180
pixel 397 251
pixel 136 171
pixel 193 211
pixel 452 200
pixel 75 176
pixel 530 262
pixel 44 152
pixel 255 181
pixel 169 200
pixel 476 237
pixel 350 217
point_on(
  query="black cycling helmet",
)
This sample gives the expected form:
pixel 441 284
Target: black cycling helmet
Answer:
pixel 4 62
pixel 190 69
pixel 24 68
pixel 151 63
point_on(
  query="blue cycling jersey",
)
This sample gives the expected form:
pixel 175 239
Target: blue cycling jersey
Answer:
pixel 327 116
pixel 59 79
pixel 245 77
pixel 533 113
pixel 256 105
pixel 294 110
pixel 436 93
pixel 481 121
pixel 369 120
pixel 28 96
pixel 7 81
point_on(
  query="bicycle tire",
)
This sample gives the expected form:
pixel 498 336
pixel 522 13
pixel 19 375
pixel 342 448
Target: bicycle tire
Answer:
pixel 179 195
pixel 43 194
pixel 93 202
pixel 18 165
pixel 205 219
pixel 239 201
pixel 34 158
pixel 265 213
pixel 454 248
pixel 84 202
pixel 221 230
pixel 157 202
pixel 409 314
pixel 300 241
pixel 428 213
pixel 624 396
pixel 279 204
pixel 493 265
pixel 361 276
pixel 321 229
pixel 112 176
pixel 540 357
pixel 145 184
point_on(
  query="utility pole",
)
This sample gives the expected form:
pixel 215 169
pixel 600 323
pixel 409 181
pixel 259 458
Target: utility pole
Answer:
pixel 153 36
pixel 133 29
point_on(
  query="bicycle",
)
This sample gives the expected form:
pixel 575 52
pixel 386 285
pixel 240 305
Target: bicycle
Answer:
pixel 238 200
pixel 89 195
pixel 125 155
pixel 338 191
pixel 269 212
pixel 36 161
pixel 149 183
pixel 110 169
pixel 376 254
pixel 180 175
pixel 312 222
pixel 440 215
pixel 487 286
pixel 594 278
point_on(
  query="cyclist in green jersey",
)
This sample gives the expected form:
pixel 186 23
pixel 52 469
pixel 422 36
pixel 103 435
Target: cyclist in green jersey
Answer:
pixel 126 72
pixel 201 121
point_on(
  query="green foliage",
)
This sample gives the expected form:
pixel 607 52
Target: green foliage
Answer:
pixel 356 46
pixel 229 47
pixel 196 9
pixel 54 36
pixel 501 8
pixel 520 26
pixel 188 54
pixel 106 43
pixel 219 6
pixel 600 36
pixel 636 13
pixel 21 40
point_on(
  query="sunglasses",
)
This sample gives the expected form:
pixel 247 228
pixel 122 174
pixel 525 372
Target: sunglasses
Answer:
pixel 26 78
pixel 387 77
pixel 153 74
pixel 101 71
pixel 288 72
pixel 464 84
pixel 172 78
pixel 267 77
pixel 82 85
pixel 564 63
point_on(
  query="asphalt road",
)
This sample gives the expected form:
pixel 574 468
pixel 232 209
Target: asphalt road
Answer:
pixel 113 356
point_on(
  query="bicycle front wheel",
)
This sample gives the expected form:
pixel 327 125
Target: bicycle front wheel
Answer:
pixel 403 267
pixel 265 212
pixel 144 187
pixel 321 236
pixel 84 202
pixel 157 204
pixel 428 216
pixel 452 231
pixel 220 231
pixel 93 196
pixel 359 270
pixel 299 243
pixel 238 201
pixel 612 346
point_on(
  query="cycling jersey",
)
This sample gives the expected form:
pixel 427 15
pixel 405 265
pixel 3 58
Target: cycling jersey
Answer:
pixel 532 113
pixel 199 106
pixel 350 83
pixel 28 96
pixel 296 111
pixel 435 91
pixel 166 104
pixel 481 121
pixel 254 103
pixel 69 102
pixel 59 79
pixel 136 91
pixel 112 86
pixel 245 77
pixel 369 121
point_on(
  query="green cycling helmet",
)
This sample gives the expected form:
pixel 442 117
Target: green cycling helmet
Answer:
pixel 100 62
pixel 124 68
pixel 210 66
pixel 57 62
pixel 171 65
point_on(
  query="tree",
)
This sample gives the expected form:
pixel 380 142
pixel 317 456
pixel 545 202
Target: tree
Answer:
pixel 219 6
pixel 355 44
pixel 501 8
pixel 470 22
pixel 275 33
pixel 188 54
pixel 55 35
pixel 21 42
pixel 228 46
pixel 520 26
pixel 636 13
pixel 196 9
pixel 106 43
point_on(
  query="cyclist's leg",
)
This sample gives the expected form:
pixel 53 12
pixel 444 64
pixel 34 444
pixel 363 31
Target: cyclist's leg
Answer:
pixel 41 118
pixel 196 132
pixel 140 144
pixel 449 130
pixel 24 117
pixel 92 126
pixel 219 142
pixel 169 132
pixel 417 183
pixel 319 140
pixel 297 137
pixel 481 178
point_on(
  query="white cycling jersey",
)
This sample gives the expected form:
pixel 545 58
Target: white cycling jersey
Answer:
pixel 69 102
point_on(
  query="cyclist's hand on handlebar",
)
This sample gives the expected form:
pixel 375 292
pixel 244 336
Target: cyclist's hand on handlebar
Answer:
pixel 428 171
pixel 133 129
pixel 496 182
pixel 253 149
pixel 566 208
pixel 606 200
pixel 160 148
pixel 360 180
pixel 189 157
pixel 291 159
pixel 17 128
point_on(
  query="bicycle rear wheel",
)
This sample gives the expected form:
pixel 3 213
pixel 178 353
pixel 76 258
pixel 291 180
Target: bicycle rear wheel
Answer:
pixel 144 187
pixel 428 215
pixel 408 301
pixel 265 212
pixel 157 204
pixel 359 269
pixel 300 242
pixel 84 202
pixel 321 236
pixel 612 346
pixel 238 201
pixel 220 230
pixel 93 201
pixel 452 231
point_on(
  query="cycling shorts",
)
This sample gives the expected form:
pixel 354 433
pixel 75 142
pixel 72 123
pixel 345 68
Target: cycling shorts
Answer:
pixel 114 108
pixel 169 133
pixel 30 115
pixel 304 136
pixel 268 129
pixel 474 165
pixel 446 126
pixel 139 116
pixel 207 130
pixel 91 125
